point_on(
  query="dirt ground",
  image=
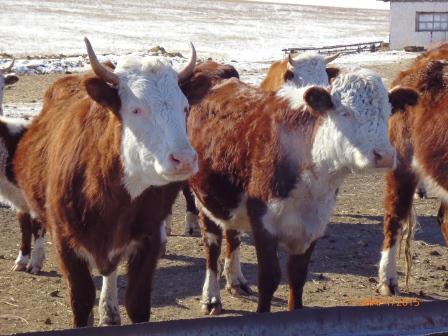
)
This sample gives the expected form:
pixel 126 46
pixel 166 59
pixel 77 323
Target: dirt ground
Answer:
pixel 343 270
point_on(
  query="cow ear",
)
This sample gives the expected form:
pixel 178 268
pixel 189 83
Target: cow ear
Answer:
pixel 318 99
pixel 289 75
pixel 332 73
pixel 103 93
pixel 11 79
pixel 401 97
pixel 109 64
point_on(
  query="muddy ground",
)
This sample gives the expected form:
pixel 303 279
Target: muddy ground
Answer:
pixel 343 269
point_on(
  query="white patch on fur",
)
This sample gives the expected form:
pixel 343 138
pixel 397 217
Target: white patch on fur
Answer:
pixel 9 191
pixel 15 125
pixel 431 185
pixel 37 254
pixel 21 259
pixel 303 217
pixel 293 94
pixel 232 270
pixel 309 69
pixel 191 222
pixel 211 238
pixel 239 219
pixel 210 291
pixel 388 270
pixel 85 255
pixel 150 86
pixel 108 308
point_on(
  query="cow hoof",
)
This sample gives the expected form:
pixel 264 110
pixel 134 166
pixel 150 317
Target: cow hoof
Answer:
pixel 162 251
pixel 389 289
pixel 33 269
pixel 90 320
pixel 110 321
pixel 19 268
pixel 214 307
pixel 239 290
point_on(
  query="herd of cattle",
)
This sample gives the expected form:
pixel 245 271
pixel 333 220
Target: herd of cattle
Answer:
pixel 102 164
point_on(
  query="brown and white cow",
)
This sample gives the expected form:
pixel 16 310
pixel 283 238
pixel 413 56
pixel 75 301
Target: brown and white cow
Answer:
pixel 206 75
pixel 11 130
pixel 305 69
pixel 418 132
pixel 101 167
pixel 271 163
pixel 31 260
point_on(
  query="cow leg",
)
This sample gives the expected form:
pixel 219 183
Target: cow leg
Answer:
pixel 236 283
pixel 23 257
pixel 442 219
pixel 269 273
pixel 191 216
pixel 168 224
pixel 297 268
pixel 80 284
pixel 141 267
pixel 163 237
pixel 400 187
pixel 212 235
pixel 38 253
pixel 108 305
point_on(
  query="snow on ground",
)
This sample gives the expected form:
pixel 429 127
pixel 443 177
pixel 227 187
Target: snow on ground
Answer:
pixel 47 36
pixel 235 30
pixel 22 110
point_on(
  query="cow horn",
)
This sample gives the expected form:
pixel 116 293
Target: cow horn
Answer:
pixel 290 59
pixel 98 68
pixel 9 68
pixel 187 71
pixel 330 59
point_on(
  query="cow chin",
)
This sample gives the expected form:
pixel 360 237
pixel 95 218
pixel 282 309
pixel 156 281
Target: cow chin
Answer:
pixel 169 174
pixel 361 161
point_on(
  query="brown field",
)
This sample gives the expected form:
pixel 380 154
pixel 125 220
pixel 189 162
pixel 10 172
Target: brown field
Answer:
pixel 343 270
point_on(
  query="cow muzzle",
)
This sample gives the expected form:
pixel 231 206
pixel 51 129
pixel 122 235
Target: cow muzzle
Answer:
pixel 384 158
pixel 182 164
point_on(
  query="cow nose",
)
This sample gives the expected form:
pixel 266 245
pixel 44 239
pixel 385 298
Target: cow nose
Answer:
pixel 184 162
pixel 384 158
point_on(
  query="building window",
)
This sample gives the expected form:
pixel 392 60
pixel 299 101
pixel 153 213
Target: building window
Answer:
pixel 433 21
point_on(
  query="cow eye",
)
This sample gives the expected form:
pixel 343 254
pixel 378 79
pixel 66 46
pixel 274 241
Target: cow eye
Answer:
pixel 136 111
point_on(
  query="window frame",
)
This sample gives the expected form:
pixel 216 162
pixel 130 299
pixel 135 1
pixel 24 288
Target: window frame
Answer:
pixel 418 22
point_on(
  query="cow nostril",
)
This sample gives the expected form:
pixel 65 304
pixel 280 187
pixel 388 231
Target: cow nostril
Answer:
pixel 174 159
pixel 377 156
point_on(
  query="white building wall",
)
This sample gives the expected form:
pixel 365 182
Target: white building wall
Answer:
pixel 403 24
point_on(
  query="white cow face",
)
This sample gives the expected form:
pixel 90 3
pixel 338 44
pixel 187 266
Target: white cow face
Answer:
pixel 356 129
pixel 155 149
pixel 154 110
pixel 309 69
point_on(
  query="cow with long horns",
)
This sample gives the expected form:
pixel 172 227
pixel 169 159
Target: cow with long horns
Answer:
pixel 101 166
